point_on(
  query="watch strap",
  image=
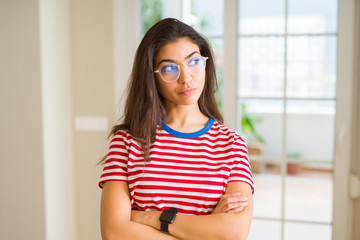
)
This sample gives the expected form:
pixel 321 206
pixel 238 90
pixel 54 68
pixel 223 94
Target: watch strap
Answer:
pixel 164 227
pixel 165 222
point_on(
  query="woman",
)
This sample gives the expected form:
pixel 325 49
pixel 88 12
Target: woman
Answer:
pixel 173 170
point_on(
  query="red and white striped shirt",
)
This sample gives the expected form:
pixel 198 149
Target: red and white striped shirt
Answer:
pixel 189 171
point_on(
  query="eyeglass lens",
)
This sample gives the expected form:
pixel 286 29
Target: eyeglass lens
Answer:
pixel 170 72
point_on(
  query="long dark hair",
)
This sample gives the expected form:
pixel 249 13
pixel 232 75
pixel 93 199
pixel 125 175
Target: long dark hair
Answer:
pixel 145 105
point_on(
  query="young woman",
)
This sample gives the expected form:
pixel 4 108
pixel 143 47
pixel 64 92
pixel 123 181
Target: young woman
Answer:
pixel 173 170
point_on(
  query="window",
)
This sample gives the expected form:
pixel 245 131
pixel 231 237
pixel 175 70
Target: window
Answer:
pixel 286 90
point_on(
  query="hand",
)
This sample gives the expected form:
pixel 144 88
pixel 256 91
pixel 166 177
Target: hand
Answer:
pixel 149 218
pixel 136 215
pixel 231 203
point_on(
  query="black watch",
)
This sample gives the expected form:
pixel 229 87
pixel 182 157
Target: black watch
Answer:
pixel 167 217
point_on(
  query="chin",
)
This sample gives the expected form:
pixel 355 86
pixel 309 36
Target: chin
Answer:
pixel 187 102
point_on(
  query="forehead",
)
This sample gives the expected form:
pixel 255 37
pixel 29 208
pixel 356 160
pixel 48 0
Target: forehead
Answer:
pixel 177 50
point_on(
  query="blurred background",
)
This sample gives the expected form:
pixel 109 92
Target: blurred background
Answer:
pixel 289 82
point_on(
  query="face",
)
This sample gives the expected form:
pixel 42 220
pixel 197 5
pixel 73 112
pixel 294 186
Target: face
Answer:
pixel 187 89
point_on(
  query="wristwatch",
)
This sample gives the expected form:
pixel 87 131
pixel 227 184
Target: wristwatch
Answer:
pixel 167 217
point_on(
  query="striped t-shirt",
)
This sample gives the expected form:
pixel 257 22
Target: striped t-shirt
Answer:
pixel 189 171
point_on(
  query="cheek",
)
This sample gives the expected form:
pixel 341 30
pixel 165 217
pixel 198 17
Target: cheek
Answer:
pixel 163 87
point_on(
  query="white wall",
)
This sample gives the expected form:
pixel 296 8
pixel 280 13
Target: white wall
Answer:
pixel 56 62
pixel 22 206
pixel 92 67
pixel 57 120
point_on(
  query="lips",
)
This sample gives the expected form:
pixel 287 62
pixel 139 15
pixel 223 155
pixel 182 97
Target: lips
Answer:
pixel 187 92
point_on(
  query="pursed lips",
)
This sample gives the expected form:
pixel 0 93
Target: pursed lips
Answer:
pixel 187 91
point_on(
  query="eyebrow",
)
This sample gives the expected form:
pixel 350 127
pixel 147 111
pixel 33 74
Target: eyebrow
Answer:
pixel 173 61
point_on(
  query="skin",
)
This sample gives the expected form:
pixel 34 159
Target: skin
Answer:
pixel 232 216
pixel 181 96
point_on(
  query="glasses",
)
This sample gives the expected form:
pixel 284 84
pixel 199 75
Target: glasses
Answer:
pixel 170 72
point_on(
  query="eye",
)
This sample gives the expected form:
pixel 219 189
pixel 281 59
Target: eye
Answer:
pixel 169 68
pixel 195 61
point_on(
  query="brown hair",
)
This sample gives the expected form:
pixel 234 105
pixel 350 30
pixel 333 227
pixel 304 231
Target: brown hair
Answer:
pixel 145 105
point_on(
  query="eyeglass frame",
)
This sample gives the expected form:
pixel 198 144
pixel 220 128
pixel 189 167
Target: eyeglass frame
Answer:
pixel 178 65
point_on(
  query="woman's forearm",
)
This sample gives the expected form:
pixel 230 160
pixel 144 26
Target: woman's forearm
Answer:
pixel 115 216
pixel 223 225
pixel 218 226
pixel 215 226
pixel 131 230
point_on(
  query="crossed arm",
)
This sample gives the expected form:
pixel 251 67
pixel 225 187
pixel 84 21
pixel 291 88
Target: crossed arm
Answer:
pixel 230 219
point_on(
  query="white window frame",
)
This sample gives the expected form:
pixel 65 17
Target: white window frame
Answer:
pixel 345 123
pixel 126 38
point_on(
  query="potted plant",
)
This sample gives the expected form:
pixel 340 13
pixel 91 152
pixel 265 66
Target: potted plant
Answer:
pixel 254 141
pixel 248 123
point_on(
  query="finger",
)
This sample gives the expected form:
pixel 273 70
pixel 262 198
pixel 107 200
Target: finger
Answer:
pixel 226 196
pixel 235 205
pixel 230 205
pixel 236 210
pixel 233 199
pixel 230 196
pixel 239 208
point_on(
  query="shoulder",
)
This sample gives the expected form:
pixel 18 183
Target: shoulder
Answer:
pixel 122 133
pixel 122 137
pixel 222 130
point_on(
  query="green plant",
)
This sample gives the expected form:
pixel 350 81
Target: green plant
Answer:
pixel 150 14
pixel 248 123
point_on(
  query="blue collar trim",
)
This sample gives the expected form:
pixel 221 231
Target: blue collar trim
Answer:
pixel 188 135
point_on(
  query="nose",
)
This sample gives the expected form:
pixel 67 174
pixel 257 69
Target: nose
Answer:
pixel 185 76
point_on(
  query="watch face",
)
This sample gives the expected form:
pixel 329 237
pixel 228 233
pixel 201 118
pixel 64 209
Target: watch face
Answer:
pixel 168 216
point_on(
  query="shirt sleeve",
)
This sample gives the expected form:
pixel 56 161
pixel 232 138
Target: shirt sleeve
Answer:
pixel 115 166
pixel 241 170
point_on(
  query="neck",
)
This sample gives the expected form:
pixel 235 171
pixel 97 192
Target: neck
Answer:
pixel 185 118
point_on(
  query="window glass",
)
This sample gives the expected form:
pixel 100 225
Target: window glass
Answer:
pixel 301 231
pixel 309 16
pixel 264 229
pixel 308 193
pixel 261 17
pixel 311 67
pixel 261 124
pixel 309 123
pixel 151 12
pixel 267 180
pixel 287 58
pixel 205 16
pixel 261 67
